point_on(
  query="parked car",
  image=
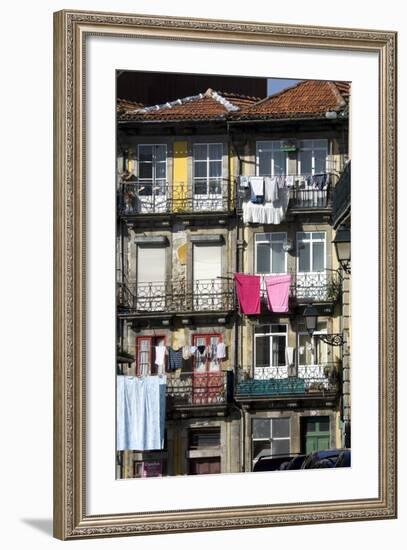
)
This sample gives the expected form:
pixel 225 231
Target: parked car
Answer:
pixel 333 458
pixel 281 462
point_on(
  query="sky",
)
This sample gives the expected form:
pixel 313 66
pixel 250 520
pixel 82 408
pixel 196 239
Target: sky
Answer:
pixel 276 84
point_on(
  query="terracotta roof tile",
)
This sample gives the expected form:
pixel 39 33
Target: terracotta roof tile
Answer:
pixel 125 104
pixel 309 98
pixel 205 106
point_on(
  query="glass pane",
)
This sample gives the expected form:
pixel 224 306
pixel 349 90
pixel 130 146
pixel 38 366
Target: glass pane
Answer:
pixel 259 446
pixel 146 171
pixel 306 162
pixel 317 235
pixel 324 424
pixel 160 170
pixel 215 169
pixel 160 153
pixel 311 425
pixel 302 236
pixel 281 427
pixel 320 144
pixel 278 328
pixel 279 159
pixel 263 258
pixel 200 169
pixel 278 237
pixel 200 151
pixel 215 187
pixel 215 151
pixel 265 163
pixel 262 351
pixel 145 153
pixel 321 352
pixel 263 236
pixel 261 428
pixel 318 256
pixel 200 187
pixel 277 258
pixel 278 357
pixel 280 447
pixel 320 161
pixel 304 257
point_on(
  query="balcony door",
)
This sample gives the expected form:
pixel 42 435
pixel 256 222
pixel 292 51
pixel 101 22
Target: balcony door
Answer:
pixel 151 276
pixel 313 358
pixel 207 174
pixel 207 378
pixel 207 270
pixel 152 188
pixel 312 281
pixel 270 342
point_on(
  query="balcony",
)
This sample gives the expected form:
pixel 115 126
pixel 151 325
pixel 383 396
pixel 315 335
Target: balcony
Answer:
pixel 203 296
pixel 304 192
pixel 140 198
pixel 197 389
pixel 283 381
pixel 316 287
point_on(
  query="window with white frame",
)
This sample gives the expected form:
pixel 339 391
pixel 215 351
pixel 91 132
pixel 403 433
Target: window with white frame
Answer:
pixel 312 156
pixel 271 160
pixel 270 342
pixel 312 350
pixel 207 168
pixel 152 169
pixel 270 256
pixel 311 251
pixel 270 436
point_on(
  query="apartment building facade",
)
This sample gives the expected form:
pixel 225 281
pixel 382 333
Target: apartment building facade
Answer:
pixel 247 384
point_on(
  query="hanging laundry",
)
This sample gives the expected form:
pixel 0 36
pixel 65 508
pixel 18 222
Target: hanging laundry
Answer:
pixel 160 352
pixel 174 359
pixel 140 418
pixel 270 189
pixel 248 293
pixel 257 189
pixel 193 349
pixel 289 356
pixel 186 352
pixel 221 350
pixel 278 290
pixel 289 181
pixel 202 350
pixel 244 181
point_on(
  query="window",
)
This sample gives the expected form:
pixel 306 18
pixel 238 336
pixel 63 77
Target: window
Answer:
pixel 207 270
pixel 207 165
pixel 151 270
pixel 311 252
pixel 270 254
pixel 270 436
pixel 270 343
pixel 152 165
pixel 312 351
pixel 312 158
pixel 145 354
pixel 205 359
pixel 200 438
pixel 270 159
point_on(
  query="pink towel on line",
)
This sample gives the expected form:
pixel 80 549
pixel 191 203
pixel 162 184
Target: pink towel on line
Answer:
pixel 248 293
pixel 278 290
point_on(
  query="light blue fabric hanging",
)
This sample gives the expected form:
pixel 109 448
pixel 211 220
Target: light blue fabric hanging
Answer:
pixel 140 413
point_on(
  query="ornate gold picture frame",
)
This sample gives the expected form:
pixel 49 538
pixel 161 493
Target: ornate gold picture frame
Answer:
pixel 71 30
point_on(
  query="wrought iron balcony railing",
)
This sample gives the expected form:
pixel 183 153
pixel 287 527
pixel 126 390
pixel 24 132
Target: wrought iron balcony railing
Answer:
pixel 205 295
pixel 320 286
pixel 341 196
pixel 304 191
pixel 197 388
pixel 161 197
pixel 275 381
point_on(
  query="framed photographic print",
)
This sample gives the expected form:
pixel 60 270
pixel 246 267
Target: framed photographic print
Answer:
pixel 225 267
